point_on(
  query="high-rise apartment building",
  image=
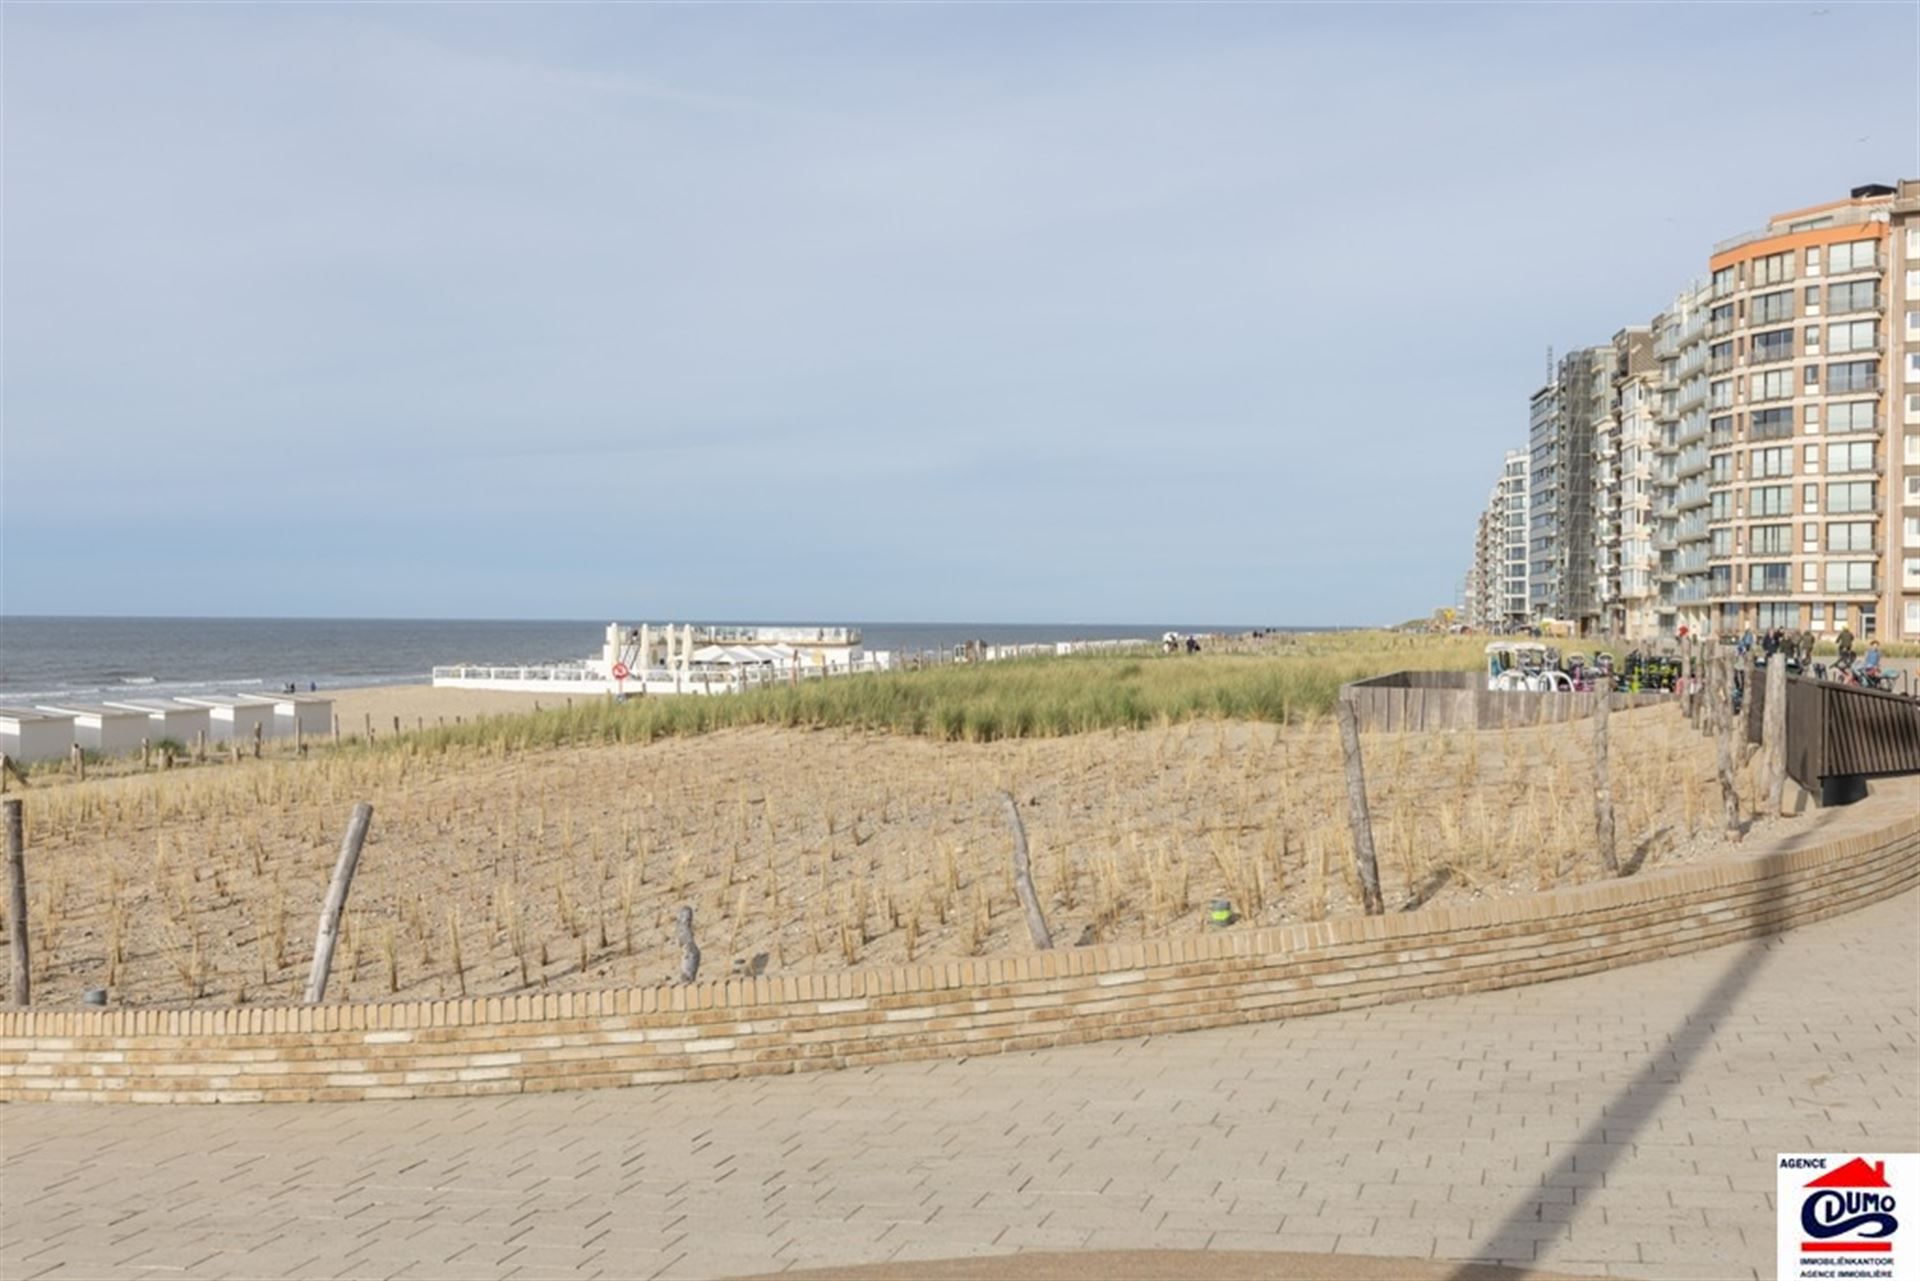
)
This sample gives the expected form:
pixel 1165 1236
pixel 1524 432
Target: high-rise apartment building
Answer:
pixel 1751 458
pixel 1560 493
pixel 1797 420
pixel 1496 591
pixel 1903 482
pixel 1622 396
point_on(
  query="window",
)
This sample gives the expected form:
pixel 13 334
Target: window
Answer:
pixel 1813 260
pixel 1855 255
pixel 1813 340
pixel 1772 500
pixel 1771 384
pixel 1859 295
pixel 1769 578
pixel 1720 395
pixel 1810 376
pixel 1771 540
pixel 1850 536
pixel 1912 450
pixel 1720 469
pixel 1810 537
pixel 1810 460
pixel 1852 415
pixel 1778 461
pixel 1810 576
pixel 1769 309
pixel 1720 542
pixel 1720 357
pixel 1810 301
pixel 1849 456
pixel 1913 324
pixel 1770 424
pixel 1810 414
pixel 1775 344
pixel 1778 614
pixel 1723 282
pixel 1850 576
pixel 1911 536
pixel 1820 614
pixel 1852 375
pixel 1720 320
pixel 1849 496
pixel 1853 335
pixel 1775 269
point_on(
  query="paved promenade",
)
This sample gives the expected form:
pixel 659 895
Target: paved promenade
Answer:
pixel 1621 1124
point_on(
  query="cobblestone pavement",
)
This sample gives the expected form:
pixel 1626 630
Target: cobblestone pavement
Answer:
pixel 1622 1123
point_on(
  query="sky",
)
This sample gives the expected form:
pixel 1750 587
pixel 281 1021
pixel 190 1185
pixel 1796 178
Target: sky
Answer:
pixel 1090 313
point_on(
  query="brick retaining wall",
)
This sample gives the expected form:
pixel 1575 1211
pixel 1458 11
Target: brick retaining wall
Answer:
pixel 741 1027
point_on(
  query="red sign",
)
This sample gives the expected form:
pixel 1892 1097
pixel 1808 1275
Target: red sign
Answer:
pixel 620 671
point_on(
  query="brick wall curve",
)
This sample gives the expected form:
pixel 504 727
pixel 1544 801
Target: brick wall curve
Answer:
pixel 742 1027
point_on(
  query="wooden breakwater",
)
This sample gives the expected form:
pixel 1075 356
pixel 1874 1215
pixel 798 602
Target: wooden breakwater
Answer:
pixel 1437 701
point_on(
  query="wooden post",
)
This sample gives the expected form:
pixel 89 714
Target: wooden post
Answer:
pixel 199 745
pixel 299 747
pixel 259 733
pixel 1603 788
pixel 146 752
pixel 79 759
pixel 396 724
pixel 1773 732
pixel 336 902
pixel 1724 724
pixel 1363 856
pixel 17 905
pixel 336 729
pixel 369 725
pixel 1023 878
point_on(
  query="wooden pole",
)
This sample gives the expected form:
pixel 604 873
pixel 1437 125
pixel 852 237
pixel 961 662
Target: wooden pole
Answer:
pixel 259 732
pixel 1723 723
pixel 1023 878
pixel 146 752
pixel 1603 788
pixel 1363 855
pixel 1773 732
pixel 336 902
pixel 336 729
pixel 200 745
pixel 17 905
pixel 369 726
pixel 79 759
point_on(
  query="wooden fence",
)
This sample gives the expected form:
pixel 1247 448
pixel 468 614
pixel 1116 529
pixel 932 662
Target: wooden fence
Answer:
pixel 1436 701
pixel 1839 735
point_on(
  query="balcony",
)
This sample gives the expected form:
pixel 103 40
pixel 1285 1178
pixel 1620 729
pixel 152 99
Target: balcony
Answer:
pixel 1850 307
pixel 1877 263
pixel 1769 589
pixel 1720 328
pixel 1769 355
pixel 1853 386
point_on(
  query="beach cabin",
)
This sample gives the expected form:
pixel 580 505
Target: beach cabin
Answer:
pixel 28 734
pixel 100 728
pixel 233 716
pixel 167 719
pixel 310 713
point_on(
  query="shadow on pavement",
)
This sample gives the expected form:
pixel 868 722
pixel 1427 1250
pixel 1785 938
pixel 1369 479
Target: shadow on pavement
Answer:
pixel 1158 1265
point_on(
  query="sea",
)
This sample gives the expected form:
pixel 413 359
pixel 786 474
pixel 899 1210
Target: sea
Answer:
pixel 90 659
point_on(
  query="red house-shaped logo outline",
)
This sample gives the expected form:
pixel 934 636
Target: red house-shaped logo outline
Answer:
pixel 1854 1174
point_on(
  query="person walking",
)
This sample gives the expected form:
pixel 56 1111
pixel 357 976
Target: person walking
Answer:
pixel 1844 643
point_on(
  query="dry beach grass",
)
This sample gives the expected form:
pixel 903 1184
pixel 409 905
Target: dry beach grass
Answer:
pixel 522 858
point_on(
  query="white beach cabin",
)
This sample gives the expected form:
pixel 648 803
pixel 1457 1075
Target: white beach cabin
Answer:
pixel 233 716
pixel 311 713
pixel 168 719
pixel 27 734
pixel 100 728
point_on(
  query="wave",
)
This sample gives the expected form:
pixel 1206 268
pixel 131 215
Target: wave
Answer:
pixel 138 680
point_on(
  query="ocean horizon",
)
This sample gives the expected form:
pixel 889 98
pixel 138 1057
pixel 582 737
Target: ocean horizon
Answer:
pixel 93 657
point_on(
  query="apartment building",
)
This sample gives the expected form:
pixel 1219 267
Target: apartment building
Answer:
pixel 1903 483
pixel 1560 494
pixel 1511 495
pixel 1797 368
pixel 1622 394
pixel 1752 457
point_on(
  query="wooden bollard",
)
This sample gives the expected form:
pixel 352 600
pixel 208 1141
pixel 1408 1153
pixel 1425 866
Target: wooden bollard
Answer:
pixel 17 905
pixel 259 733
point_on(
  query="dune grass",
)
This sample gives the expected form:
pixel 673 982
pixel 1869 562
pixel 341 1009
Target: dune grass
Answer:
pixel 1292 680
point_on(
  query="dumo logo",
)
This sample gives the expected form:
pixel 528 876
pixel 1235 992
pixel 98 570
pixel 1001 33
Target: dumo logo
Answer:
pixel 1855 1200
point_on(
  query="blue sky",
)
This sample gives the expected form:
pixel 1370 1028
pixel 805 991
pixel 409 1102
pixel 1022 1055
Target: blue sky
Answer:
pixel 1010 313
